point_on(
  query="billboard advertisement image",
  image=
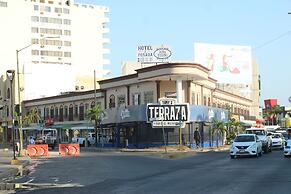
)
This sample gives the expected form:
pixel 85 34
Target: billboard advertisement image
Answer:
pixel 227 63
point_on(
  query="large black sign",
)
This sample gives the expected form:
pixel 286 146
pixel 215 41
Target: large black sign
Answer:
pixel 167 112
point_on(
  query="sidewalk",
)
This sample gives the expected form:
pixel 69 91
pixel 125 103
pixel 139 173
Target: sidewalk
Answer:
pixel 6 169
pixel 170 149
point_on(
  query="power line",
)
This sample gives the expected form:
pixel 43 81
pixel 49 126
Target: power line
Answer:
pixel 273 40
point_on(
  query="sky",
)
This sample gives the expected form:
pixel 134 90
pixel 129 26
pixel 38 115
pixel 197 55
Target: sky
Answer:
pixel 265 25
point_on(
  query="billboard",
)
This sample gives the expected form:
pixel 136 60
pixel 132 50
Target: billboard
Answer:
pixel 227 63
pixel 153 53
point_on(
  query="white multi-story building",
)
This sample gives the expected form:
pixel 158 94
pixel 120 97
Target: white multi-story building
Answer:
pixel 60 44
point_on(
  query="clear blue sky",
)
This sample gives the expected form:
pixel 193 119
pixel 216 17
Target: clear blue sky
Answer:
pixel 262 24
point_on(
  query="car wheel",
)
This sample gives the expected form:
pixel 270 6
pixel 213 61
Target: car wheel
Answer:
pixel 270 149
pixel 261 152
pixel 231 157
pixel 266 149
pixel 89 144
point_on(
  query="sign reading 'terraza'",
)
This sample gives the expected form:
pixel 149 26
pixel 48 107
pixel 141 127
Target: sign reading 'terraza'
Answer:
pixel 168 112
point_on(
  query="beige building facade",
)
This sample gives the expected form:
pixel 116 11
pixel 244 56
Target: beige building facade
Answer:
pixel 124 101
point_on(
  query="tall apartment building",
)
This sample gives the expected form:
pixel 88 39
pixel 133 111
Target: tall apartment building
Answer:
pixel 63 43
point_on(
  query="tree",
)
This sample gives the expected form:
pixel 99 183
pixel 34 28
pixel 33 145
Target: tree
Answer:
pixel 219 129
pixel 277 110
pixel 94 114
pixel 31 117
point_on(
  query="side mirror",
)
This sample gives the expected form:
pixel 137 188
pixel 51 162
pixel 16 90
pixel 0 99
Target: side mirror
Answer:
pixel 231 141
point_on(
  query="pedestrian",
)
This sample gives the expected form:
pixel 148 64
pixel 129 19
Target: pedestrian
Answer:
pixel 197 137
pixel 31 140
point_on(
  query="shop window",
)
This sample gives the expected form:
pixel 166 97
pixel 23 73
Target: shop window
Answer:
pixel 71 112
pixel 112 101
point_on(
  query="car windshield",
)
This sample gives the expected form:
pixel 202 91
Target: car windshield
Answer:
pixel 257 132
pixel 245 138
pixel 276 136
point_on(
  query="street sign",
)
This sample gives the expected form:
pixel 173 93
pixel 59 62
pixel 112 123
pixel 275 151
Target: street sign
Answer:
pixel 167 114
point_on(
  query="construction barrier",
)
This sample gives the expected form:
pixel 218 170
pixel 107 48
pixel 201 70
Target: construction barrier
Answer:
pixel 69 149
pixel 37 150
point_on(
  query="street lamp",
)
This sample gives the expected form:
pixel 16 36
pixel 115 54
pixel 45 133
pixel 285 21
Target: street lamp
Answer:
pixel 18 91
pixel 10 75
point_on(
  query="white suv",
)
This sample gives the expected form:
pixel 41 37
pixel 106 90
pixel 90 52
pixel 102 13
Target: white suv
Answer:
pixel 246 144
pixel 263 136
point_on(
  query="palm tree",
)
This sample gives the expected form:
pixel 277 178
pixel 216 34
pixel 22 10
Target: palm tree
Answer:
pixel 277 110
pixel 219 129
pixel 94 114
pixel 31 117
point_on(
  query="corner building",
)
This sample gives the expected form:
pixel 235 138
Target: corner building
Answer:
pixel 124 101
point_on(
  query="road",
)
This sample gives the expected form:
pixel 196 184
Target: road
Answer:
pixel 211 172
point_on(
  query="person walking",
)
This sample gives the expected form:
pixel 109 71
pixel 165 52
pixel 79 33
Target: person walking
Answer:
pixel 197 137
pixel 31 140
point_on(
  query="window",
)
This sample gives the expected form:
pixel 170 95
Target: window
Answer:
pixel 67 54
pixel 148 97
pixel 204 100
pixel 34 30
pixel 61 115
pixel 51 53
pixel 42 1
pixel 136 99
pixel 66 112
pixel 34 52
pixel 67 22
pixel 47 112
pixel 93 104
pixel 197 99
pixel 35 7
pixel 47 9
pixel 3 4
pixel 76 110
pixel 121 100
pixel 50 31
pixel 56 113
pixel 71 111
pixel 81 115
pixel 34 41
pixel 52 115
pixel 58 10
pixel 66 11
pixel 50 2
pixel 67 32
pixel 35 18
pixel 86 108
pixel 112 101
pixel 67 43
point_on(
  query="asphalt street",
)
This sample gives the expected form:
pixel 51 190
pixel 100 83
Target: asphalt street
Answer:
pixel 211 172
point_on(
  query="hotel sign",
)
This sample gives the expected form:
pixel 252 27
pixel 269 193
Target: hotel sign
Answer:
pixel 153 53
pixel 168 115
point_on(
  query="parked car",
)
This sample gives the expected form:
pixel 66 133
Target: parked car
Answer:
pixel 287 148
pixel 81 140
pixel 246 144
pixel 278 140
pixel 263 136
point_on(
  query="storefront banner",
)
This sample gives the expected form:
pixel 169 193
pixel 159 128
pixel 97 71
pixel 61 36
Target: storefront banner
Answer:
pixel 207 114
